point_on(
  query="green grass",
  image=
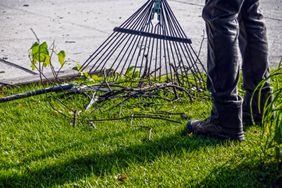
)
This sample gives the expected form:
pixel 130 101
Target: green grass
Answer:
pixel 39 148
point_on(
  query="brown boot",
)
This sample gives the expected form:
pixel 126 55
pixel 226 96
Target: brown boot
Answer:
pixel 209 128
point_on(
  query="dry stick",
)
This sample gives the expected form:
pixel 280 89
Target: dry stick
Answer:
pixel 120 103
pixel 158 115
pixel 148 95
pixel 154 71
pixel 202 42
pixel 51 65
pixel 40 68
pixel 115 93
pixel 49 101
pixel 150 131
pixel 94 87
pixel 55 74
pixel 150 134
pixel 175 93
pixel 42 75
pixel 145 74
pixel 99 87
pixel 131 120
pixel 175 71
pixel 59 70
pixel 131 92
pixel 74 118
pixel 135 95
pixel 92 125
pixel 182 114
pixel 170 113
pixel 280 64
pixel 143 96
pixel 37 38
pixel 136 117
pixel 105 80
pixel 92 101
pixel 108 86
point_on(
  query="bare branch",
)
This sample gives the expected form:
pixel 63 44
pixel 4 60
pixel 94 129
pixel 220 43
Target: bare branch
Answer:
pixel 37 38
pixel 133 116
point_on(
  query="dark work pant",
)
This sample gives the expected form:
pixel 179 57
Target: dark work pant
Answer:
pixel 222 21
pixel 254 49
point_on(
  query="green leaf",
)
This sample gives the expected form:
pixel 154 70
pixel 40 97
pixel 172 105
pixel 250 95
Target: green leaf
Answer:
pixel 34 48
pixel 39 53
pixel 136 74
pixel 47 61
pixel 129 71
pixel 43 52
pixel 136 110
pixel 96 78
pixel 44 48
pixel 77 67
pixel 33 67
pixel 61 57
pixel 85 74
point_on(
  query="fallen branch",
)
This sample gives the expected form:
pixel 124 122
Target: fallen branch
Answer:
pixel 74 118
pixel 59 88
pixel 138 116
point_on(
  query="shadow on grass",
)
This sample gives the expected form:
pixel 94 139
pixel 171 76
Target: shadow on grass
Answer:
pixel 249 173
pixel 102 164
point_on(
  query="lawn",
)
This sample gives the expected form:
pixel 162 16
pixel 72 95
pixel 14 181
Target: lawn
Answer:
pixel 39 148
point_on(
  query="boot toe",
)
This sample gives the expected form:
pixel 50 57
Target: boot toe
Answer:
pixel 191 124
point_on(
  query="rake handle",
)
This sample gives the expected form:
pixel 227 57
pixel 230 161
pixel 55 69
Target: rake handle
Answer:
pixel 157 9
pixel 59 88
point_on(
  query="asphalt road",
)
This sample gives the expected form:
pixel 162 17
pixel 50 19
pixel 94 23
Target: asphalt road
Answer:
pixel 79 27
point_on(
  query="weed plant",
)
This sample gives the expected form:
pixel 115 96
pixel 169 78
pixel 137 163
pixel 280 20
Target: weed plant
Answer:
pixel 272 116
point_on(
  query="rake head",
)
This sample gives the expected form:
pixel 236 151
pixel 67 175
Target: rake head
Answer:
pixel 151 46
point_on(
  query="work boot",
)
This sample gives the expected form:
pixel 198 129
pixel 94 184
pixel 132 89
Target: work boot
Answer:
pixel 210 128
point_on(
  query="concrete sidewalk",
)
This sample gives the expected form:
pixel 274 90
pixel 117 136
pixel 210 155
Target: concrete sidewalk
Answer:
pixel 79 27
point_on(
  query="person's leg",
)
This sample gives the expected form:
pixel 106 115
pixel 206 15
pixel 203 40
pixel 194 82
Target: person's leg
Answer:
pixel 254 49
pixel 223 70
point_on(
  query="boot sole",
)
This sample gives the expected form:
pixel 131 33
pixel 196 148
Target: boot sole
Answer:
pixel 240 137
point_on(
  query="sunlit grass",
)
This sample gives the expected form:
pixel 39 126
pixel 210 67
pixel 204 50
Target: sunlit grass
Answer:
pixel 40 148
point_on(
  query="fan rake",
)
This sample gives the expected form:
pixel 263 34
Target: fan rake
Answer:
pixel 153 47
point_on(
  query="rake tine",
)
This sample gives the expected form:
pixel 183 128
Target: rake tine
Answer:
pixel 159 51
pixel 121 53
pixel 176 31
pixel 172 30
pixel 145 20
pixel 136 37
pixel 135 25
pixel 96 53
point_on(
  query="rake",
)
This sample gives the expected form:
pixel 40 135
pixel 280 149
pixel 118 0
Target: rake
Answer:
pixel 152 46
